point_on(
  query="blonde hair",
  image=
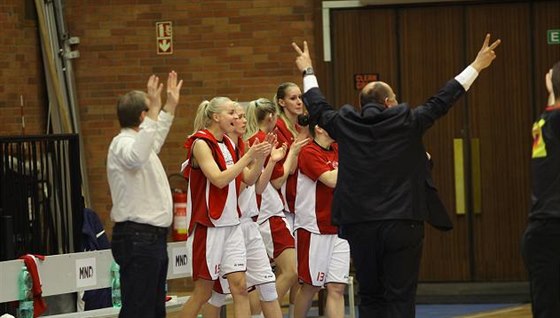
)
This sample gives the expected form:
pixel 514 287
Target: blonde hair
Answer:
pixel 255 113
pixel 281 94
pixel 205 110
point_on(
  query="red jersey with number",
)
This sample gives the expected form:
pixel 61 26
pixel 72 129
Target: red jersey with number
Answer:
pixel 314 199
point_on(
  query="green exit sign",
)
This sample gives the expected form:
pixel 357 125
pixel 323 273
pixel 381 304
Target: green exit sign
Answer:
pixel 553 36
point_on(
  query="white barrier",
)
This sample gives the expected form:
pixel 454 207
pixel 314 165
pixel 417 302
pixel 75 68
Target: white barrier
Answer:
pixel 67 273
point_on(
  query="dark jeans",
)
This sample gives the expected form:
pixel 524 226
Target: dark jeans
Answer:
pixel 540 248
pixel 386 255
pixel 141 252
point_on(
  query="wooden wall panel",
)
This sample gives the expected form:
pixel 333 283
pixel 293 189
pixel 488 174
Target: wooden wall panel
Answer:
pixel 416 49
pixel 546 17
pixel 432 53
pixel 500 116
pixel 363 41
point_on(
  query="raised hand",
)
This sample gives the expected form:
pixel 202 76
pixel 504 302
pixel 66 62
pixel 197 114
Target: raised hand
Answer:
pixel 549 88
pixel 486 54
pixel 259 150
pixel 154 88
pixel 297 145
pixel 279 153
pixel 303 60
pixel 271 139
pixel 173 92
pixel 154 92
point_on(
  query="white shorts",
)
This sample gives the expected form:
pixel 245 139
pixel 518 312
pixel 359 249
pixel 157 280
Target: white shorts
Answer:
pixel 322 258
pixel 258 265
pixel 216 251
pixel 276 235
pixel 290 219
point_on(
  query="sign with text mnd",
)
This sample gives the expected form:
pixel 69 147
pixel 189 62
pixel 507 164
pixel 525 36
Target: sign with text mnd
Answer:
pixel 361 80
pixel 86 272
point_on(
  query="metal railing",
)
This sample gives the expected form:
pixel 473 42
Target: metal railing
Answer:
pixel 41 205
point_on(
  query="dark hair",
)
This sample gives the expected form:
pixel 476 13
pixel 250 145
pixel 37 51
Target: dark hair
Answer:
pixel 556 80
pixel 129 108
pixel 376 93
pixel 312 126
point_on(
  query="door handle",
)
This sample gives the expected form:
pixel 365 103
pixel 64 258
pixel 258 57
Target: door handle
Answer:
pixel 460 174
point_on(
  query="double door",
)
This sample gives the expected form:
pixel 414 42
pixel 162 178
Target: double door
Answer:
pixel 481 148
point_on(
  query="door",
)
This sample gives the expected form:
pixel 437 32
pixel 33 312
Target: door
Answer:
pixel 481 148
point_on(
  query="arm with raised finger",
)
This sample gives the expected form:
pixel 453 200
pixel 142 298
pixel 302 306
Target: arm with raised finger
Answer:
pixel 154 97
pixel 548 84
pixel 486 54
pixel 173 92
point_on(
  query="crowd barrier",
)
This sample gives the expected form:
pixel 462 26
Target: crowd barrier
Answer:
pixel 67 273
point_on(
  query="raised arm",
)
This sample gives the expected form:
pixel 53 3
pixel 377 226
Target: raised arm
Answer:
pixel 548 83
pixel 439 104
pixel 314 100
pixel 136 152
pixel 486 54
pixel 165 117
pixel 154 97
pixel 173 93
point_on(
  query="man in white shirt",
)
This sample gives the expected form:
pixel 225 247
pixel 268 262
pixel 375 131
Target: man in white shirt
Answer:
pixel 142 204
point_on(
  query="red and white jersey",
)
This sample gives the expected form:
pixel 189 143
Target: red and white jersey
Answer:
pixel 207 204
pixel 289 188
pixel 314 199
pixel 270 202
pixel 248 203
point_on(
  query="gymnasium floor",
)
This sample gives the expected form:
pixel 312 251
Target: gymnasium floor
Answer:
pixel 466 311
pixel 424 310
pixel 474 311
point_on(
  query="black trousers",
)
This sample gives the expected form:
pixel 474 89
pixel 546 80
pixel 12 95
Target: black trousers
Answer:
pixel 386 255
pixel 141 252
pixel 540 248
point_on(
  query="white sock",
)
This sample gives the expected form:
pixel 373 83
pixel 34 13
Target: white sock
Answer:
pixel 257 316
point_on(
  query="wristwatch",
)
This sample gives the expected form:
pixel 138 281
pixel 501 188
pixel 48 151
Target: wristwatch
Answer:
pixel 308 71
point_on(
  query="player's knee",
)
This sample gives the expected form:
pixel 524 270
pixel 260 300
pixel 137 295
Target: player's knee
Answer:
pixel 336 289
pixel 238 285
pixel 267 292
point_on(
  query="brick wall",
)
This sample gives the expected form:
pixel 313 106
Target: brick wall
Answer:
pixel 239 49
pixel 20 70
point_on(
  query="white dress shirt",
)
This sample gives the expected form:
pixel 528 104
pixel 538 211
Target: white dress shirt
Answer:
pixel 139 186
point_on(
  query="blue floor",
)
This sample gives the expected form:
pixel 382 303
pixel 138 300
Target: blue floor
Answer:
pixel 442 311
pixel 455 310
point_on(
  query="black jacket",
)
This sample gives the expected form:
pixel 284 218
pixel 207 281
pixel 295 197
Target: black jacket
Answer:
pixel 382 162
pixel 437 213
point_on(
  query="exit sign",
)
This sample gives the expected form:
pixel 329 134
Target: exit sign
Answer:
pixel 164 38
pixel 553 36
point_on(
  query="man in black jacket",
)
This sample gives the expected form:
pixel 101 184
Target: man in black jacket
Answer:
pixel 540 246
pixel 380 202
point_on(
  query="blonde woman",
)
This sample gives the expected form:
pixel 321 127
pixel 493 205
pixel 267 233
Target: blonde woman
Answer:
pixel 215 245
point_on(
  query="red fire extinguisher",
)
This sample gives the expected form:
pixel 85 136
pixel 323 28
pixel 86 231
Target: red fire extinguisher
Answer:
pixel 179 216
